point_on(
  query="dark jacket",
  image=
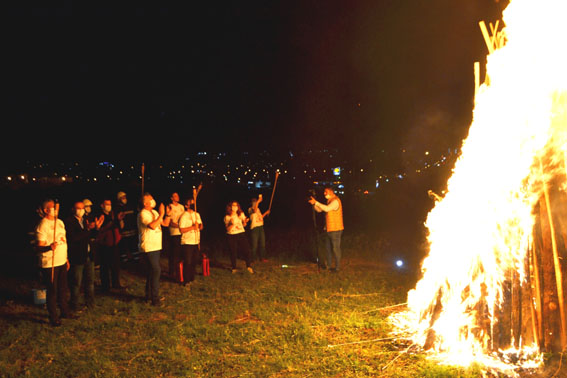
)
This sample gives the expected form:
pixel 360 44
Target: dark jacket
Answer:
pixel 109 233
pixel 77 240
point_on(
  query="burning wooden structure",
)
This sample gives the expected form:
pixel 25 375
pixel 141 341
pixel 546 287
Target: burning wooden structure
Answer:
pixel 494 283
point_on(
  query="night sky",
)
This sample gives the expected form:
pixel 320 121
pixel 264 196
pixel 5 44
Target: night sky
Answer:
pixel 87 80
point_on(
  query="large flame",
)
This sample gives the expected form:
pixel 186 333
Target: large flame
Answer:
pixel 479 232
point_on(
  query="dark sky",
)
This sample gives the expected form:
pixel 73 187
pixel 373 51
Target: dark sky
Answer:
pixel 103 81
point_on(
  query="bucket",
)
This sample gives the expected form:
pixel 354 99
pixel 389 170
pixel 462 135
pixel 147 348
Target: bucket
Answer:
pixel 39 296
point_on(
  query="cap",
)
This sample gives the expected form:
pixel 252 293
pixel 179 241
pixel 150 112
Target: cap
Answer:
pixel 120 195
pixel 87 202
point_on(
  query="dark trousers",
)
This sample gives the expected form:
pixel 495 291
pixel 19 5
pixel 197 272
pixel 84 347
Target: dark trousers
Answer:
pixel 174 256
pixel 79 275
pixel 109 267
pixel 128 246
pixel 152 276
pixel 190 253
pixel 238 245
pixel 57 292
pixel 258 239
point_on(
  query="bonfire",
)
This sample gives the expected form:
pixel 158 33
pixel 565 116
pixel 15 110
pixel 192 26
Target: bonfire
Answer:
pixel 492 287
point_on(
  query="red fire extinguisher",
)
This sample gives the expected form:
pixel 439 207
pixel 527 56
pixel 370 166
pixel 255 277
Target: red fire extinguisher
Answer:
pixel 205 265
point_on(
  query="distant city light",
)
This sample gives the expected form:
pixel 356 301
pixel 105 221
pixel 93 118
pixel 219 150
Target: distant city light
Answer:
pixel 399 263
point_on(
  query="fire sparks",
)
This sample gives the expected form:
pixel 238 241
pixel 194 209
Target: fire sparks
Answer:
pixel 479 232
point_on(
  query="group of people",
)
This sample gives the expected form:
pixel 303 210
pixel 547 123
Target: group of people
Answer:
pixel 68 248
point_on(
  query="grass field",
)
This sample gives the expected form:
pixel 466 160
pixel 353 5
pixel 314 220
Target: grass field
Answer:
pixel 278 322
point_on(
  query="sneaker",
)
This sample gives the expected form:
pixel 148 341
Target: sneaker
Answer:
pixel 234 271
pixel 250 270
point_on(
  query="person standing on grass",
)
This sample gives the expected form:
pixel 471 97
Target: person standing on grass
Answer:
pixel 235 221
pixel 257 236
pixel 333 225
pixel 52 248
pixel 150 239
pixel 128 244
pixel 79 234
pixel 107 240
pixel 190 226
pixel 173 212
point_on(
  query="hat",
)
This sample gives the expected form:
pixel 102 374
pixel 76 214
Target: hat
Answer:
pixel 120 195
pixel 87 202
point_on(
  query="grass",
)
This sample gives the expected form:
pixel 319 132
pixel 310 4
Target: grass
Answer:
pixel 278 322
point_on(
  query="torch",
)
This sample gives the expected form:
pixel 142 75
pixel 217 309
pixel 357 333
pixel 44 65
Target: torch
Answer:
pixel 143 171
pixel 54 240
pixel 273 190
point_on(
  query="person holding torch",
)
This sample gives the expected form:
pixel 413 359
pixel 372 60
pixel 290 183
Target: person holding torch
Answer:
pixel 52 249
pixel 257 235
pixel 333 224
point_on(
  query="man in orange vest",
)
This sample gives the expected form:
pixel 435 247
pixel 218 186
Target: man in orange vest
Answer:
pixel 333 224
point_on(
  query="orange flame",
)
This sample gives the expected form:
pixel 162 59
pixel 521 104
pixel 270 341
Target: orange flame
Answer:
pixel 479 232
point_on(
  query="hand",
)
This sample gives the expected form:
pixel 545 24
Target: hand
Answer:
pixel 121 215
pixel 267 213
pixel 99 221
pixel 312 200
pixel 91 225
pixel 53 246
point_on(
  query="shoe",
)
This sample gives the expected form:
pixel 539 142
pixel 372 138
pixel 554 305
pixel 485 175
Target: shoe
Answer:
pixel 234 271
pixel 250 270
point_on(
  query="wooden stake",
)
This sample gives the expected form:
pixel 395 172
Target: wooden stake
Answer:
pixel 535 318
pixel 487 39
pixel 557 263
pixel 476 78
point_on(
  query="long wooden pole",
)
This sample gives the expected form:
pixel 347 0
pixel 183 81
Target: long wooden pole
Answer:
pixel 556 262
pixel 54 240
pixel 273 190
pixel 143 178
pixel 535 303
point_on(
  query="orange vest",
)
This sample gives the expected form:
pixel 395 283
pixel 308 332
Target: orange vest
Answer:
pixel 334 218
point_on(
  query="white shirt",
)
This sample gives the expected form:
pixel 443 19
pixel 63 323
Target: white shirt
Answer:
pixel 44 233
pixel 189 219
pixel 256 218
pixel 176 210
pixel 150 240
pixel 237 222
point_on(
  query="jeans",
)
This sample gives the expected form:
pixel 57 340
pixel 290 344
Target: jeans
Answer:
pixel 190 253
pixel 238 243
pixel 333 244
pixel 152 277
pixel 57 292
pixel 258 239
pixel 76 275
